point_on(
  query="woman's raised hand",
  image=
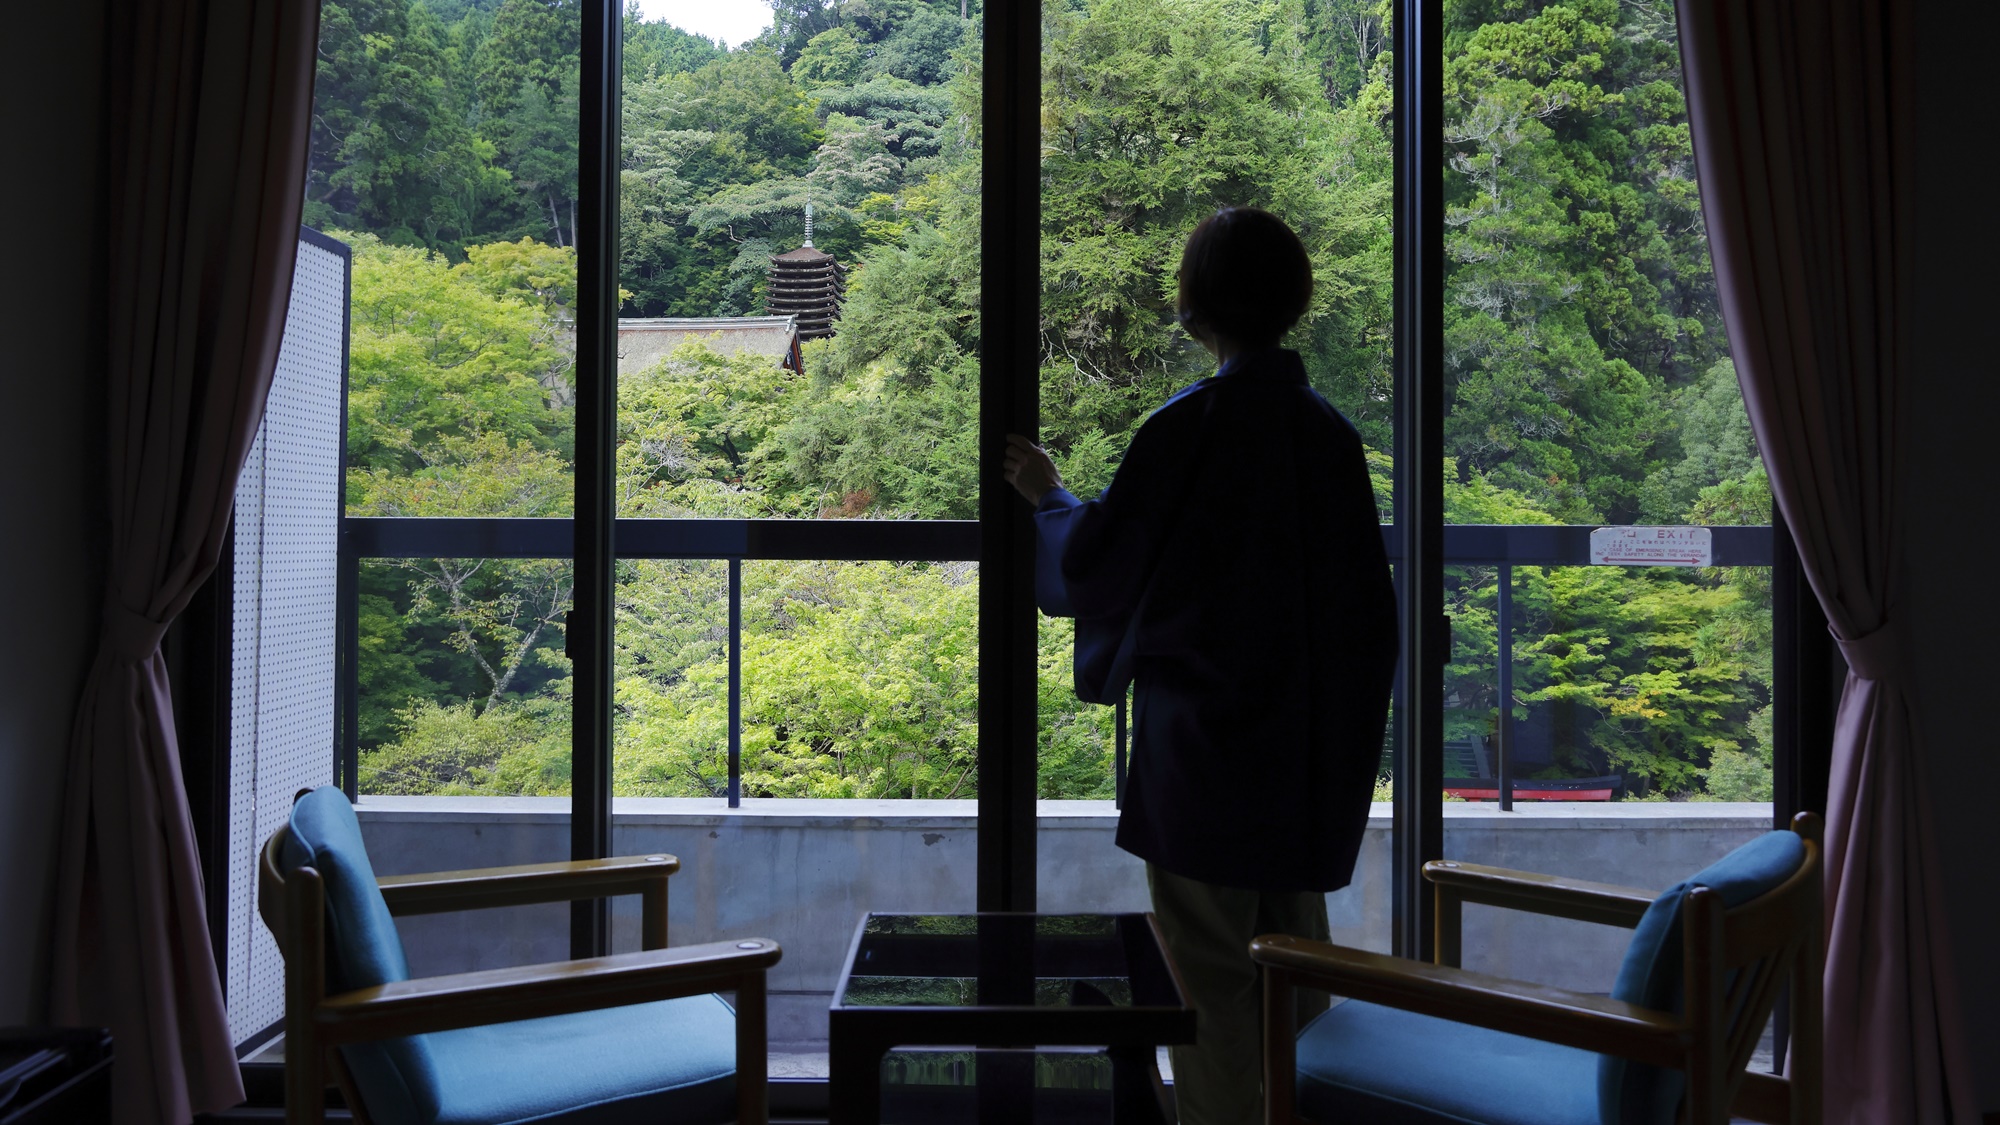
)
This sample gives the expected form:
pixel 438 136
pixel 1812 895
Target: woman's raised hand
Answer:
pixel 1029 470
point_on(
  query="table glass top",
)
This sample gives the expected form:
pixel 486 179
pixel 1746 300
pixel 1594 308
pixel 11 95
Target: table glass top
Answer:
pixel 1007 960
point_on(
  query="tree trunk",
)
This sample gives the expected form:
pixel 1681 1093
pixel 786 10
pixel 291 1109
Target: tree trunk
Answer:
pixel 513 665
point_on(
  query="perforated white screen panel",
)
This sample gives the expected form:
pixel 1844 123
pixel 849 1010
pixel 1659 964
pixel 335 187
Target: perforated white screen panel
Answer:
pixel 282 688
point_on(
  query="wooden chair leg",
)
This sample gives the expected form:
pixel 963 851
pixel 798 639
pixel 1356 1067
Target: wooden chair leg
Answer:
pixel 1806 1058
pixel 1280 1048
pixel 305 1086
pixel 305 987
pixel 343 1080
pixel 653 916
pixel 1449 927
pixel 753 1105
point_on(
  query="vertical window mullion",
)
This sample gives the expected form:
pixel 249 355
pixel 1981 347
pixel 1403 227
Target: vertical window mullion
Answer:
pixel 591 622
pixel 1009 401
pixel 1419 468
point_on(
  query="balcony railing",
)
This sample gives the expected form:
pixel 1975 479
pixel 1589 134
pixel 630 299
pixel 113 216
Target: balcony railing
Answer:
pixel 738 540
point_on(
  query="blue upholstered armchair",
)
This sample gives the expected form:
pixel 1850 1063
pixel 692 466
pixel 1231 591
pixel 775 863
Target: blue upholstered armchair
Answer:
pixel 627 1038
pixel 1435 1044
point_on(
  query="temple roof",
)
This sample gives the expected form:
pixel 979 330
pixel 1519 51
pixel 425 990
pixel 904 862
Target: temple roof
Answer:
pixel 805 254
pixel 643 342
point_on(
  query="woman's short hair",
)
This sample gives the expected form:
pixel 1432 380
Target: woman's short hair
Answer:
pixel 1244 275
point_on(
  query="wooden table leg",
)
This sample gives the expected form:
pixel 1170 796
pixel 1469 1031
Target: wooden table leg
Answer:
pixel 1138 1096
pixel 854 1080
pixel 1006 1091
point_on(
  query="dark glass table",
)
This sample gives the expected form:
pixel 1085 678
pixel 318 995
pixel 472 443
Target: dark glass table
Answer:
pixel 1012 994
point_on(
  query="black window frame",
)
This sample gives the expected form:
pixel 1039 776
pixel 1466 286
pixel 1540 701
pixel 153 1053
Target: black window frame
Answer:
pixel 1807 670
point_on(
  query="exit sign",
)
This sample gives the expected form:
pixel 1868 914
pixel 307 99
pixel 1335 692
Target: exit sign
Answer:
pixel 1650 546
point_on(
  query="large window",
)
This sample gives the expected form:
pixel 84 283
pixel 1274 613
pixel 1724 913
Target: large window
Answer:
pixel 674 361
pixel 445 152
pixel 1154 114
pixel 1591 699
pixel 796 683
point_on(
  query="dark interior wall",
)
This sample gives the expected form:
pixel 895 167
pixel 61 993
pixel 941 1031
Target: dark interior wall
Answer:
pixel 51 453
pixel 1952 498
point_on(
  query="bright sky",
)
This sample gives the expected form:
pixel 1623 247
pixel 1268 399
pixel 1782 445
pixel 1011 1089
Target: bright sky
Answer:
pixel 732 21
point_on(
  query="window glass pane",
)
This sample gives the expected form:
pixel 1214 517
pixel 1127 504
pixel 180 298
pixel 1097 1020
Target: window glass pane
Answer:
pixel 1154 115
pixel 1588 383
pixel 477 702
pixel 444 151
pixel 799 253
pixel 859 680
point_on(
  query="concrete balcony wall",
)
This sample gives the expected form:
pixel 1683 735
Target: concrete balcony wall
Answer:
pixel 803 872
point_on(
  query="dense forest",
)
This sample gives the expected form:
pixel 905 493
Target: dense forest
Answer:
pixel 1588 375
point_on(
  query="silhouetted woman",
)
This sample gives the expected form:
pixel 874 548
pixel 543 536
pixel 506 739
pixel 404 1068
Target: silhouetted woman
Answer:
pixel 1233 573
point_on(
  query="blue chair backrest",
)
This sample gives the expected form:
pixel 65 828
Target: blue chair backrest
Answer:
pixel 1630 1093
pixel 397 1077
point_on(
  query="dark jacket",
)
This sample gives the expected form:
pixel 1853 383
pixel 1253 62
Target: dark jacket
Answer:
pixel 1234 571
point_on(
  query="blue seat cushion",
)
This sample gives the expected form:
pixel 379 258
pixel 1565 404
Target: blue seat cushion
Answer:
pixel 1365 1062
pixel 1632 1093
pixel 673 1060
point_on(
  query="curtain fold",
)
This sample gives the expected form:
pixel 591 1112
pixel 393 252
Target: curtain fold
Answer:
pixel 1803 126
pixel 208 107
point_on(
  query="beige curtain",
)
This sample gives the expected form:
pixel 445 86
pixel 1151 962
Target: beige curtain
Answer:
pixel 208 105
pixel 1803 120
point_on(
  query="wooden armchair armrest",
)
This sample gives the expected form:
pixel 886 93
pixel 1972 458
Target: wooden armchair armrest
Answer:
pixel 480 888
pixel 489 996
pixel 1555 1015
pixel 1579 899
pixel 1459 883
pixel 438 891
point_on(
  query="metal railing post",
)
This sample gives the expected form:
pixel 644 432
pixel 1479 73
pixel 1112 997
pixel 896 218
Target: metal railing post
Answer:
pixel 1118 759
pixel 1504 729
pixel 347 632
pixel 735 683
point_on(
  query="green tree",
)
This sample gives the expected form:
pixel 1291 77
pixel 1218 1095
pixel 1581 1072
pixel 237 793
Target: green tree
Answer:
pixel 1580 292
pixel 1348 38
pixel 390 152
pixel 1716 447
pixel 747 94
pixel 520 750
pixel 502 613
pixel 1585 358
pixel 538 42
pixel 538 138
pixel 859 681
pixel 795 22
pixel 656 47
pixel 912 117
pixel 831 58
pixel 436 352
pixel 1153 116
pixel 921 49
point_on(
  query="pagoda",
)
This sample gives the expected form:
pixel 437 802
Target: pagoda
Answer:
pixel 806 283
